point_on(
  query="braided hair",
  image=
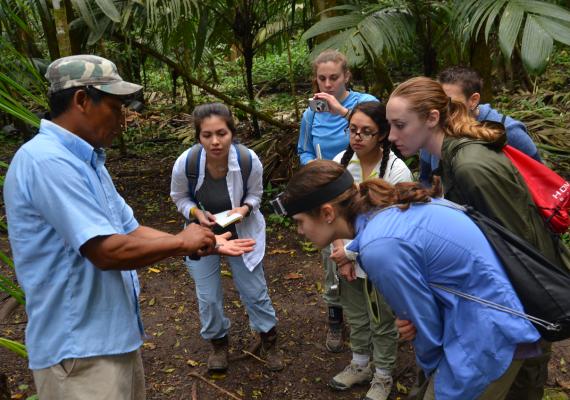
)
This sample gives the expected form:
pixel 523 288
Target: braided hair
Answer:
pixel 376 112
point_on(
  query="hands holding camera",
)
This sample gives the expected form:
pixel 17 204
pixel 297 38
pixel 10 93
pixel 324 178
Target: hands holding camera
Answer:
pixel 333 105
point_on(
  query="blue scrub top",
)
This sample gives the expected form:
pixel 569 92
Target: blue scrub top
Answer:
pixel 464 344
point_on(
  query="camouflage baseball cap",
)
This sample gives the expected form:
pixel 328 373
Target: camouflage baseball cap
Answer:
pixel 88 70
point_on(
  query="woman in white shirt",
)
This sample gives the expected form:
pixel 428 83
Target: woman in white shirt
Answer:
pixel 220 186
pixel 371 321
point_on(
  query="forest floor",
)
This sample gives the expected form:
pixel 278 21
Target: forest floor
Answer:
pixel 174 351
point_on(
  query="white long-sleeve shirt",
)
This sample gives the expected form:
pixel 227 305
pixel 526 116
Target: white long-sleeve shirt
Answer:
pixel 252 226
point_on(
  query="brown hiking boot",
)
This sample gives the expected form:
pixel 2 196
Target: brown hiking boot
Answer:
pixel 218 358
pixel 270 351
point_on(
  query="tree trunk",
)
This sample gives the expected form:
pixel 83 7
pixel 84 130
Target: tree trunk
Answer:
pixel 189 95
pixel 50 32
pixel 248 61
pixel 519 70
pixel 319 7
pixel 480 61
pixel 383 82
pixel 62 28
pixel 228 100
pixel 75 40
pixel 292 81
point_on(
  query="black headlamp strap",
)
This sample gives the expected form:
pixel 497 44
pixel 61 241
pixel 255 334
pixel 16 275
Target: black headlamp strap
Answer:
pixel 320 195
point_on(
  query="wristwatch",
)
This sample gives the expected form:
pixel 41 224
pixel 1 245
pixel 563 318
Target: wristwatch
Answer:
pixel 249 209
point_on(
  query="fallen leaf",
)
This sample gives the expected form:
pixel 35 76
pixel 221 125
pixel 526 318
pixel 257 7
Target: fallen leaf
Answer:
pixel 281 251
pixel 152 301
pixel 192 363
pixel 293 275
pixel 564 384
pixel 169 370
pixel 155 270
pixel 401 388
pixel 226 273
pixel 216 376
pixel 149 345
pixel 17 396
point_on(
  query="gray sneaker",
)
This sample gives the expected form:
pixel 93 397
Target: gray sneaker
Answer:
pixel 379 388
pixel 352 375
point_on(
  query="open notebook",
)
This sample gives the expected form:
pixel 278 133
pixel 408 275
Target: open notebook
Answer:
pixel 223 219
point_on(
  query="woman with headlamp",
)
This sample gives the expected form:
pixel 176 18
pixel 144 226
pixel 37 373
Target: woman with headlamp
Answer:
pixel 410 251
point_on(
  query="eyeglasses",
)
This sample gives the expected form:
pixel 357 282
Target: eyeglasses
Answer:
pixel 364 134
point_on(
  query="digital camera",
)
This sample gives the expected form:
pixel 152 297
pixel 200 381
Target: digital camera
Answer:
pixel 318 105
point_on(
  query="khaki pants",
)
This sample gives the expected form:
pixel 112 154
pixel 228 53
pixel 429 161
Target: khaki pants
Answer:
pixel 497 390
pixel 118 377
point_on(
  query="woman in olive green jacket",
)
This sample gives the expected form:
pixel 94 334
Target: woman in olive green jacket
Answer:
pixel 474 172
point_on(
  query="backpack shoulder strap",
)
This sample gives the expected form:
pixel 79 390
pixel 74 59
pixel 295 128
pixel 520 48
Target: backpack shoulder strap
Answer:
pixel 245 165
pixel 193 168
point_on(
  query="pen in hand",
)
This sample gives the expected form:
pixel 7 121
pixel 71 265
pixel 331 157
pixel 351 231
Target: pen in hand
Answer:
pixel 210 220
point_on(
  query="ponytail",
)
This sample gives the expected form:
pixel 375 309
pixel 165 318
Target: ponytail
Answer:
pixel 460 124
pixel 425 95
pixel 370 195
pixel 378 193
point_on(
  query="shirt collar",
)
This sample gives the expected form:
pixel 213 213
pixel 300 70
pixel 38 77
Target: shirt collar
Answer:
pixel 76 145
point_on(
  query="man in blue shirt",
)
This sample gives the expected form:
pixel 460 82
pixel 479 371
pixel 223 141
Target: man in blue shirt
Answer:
pixel 464 84
pixel 75 241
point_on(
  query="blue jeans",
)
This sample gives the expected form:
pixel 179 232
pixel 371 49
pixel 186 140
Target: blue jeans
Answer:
pixel 252 289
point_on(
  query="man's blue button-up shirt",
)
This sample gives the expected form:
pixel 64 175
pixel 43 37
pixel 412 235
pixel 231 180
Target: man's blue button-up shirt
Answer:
pixel 58 195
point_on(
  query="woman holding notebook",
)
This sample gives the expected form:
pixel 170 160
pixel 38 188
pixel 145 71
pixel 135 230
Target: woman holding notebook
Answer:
pixel 216 176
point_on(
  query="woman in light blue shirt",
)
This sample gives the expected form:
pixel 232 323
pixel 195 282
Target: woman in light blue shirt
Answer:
pixel 468 350
pixel 322 136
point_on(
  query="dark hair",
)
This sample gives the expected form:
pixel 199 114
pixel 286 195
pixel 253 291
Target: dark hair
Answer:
pixel 212 109
pixel 376 112
pixel 469 79
pixel 60 101
pixel 425 95
pixel 367 196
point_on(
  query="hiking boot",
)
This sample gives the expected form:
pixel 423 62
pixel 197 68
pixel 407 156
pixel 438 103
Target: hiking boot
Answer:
pixel 352 375
pixel 218 358
pixel 334 342
pixel 270 351
pixel 379 388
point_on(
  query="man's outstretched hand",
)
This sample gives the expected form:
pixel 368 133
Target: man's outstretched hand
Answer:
pixel 235 247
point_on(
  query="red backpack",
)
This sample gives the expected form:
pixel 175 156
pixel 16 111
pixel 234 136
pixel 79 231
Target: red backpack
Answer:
pixel 550 192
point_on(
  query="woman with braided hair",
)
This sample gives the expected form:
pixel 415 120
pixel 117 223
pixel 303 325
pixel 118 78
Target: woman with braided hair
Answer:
pixel 372 329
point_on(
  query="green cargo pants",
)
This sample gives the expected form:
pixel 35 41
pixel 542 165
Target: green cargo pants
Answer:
pixel 369 334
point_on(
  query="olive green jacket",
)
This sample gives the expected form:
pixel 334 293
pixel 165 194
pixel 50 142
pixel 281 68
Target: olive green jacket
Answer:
pixel 478 174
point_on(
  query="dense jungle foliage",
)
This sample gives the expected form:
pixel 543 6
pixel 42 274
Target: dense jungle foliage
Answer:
pixel 254 55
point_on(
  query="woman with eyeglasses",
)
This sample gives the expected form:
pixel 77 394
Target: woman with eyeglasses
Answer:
pixel 371 321
pixel 322 137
